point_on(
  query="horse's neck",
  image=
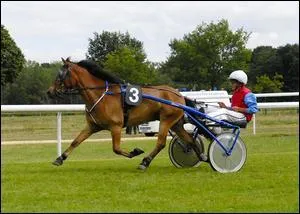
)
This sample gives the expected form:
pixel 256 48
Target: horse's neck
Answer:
pixel 87 81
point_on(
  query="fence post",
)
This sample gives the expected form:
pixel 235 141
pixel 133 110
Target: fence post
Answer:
pixel 59 134
pixel 254 125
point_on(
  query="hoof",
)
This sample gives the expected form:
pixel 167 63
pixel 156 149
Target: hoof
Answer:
pixel 142 167
pixel 145 163
pixel 203 157
pixel 136 152
pixel 58 161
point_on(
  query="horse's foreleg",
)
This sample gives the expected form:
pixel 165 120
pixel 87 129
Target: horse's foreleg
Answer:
pixel 84 134
pixel 116 141
pixel 161 142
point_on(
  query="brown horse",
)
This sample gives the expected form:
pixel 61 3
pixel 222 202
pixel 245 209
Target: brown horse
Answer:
pixel 105 109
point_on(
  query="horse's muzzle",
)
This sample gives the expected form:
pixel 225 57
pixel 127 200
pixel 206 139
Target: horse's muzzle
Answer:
pixel 53 94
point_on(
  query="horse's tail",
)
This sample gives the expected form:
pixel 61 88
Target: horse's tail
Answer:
pixel 189 102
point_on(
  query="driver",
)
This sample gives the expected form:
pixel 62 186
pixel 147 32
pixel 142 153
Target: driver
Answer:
pixel 243 102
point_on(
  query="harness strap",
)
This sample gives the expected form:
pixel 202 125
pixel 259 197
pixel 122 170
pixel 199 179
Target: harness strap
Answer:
pixel 124 105
pixel 100 98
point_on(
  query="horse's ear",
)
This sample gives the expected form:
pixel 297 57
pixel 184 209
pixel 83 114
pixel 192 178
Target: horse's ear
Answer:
pixel 68 59
pixel 64 61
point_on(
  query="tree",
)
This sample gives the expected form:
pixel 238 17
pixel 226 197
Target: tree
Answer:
pixel 289 59
pixel 12 59
pixel 263 62
pixel 31 85
pixel 266 85
pixel 270 61
pixel 131 66
pixel 204 58
pixel 124 56
pixel 107 42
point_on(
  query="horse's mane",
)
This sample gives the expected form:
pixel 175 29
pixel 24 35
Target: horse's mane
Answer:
pixel 98 71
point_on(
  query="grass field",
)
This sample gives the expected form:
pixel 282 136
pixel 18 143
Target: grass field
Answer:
pixel 94 179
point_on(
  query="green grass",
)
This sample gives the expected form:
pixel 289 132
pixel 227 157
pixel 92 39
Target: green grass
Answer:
pixel 94 179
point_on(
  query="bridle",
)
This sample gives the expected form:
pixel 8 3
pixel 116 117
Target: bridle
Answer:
pixel 63 75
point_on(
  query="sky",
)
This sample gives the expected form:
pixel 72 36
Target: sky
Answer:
pixel 45 31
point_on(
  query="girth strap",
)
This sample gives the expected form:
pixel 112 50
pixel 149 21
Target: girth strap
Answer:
pixel 125 106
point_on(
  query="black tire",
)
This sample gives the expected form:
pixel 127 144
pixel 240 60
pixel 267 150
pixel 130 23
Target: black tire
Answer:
pixel 183 155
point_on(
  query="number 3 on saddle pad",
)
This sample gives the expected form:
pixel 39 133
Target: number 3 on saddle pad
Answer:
pixel 133 95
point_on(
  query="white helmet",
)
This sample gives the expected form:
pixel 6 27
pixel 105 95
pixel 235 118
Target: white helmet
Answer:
pixel 239 75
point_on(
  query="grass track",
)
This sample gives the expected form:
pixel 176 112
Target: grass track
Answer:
pixel 94 179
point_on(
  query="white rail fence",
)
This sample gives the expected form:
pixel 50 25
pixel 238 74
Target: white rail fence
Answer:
pixel 81 107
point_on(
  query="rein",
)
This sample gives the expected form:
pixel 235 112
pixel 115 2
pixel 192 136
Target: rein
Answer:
pixel 78 90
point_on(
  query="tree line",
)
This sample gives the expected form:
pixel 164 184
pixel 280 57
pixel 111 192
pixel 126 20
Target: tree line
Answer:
pixel 201 60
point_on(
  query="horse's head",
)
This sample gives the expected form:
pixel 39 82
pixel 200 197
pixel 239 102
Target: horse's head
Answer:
pixel 65 80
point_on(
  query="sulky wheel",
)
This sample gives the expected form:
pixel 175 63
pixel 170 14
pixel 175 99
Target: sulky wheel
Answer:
pixel 220 161
pixel 182 154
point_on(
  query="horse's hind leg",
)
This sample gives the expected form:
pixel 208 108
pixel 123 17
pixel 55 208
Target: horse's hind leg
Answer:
pixel 84 134
pixel 181 132
pixel 186 137
pixel 116 141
